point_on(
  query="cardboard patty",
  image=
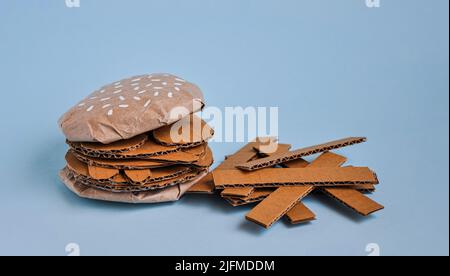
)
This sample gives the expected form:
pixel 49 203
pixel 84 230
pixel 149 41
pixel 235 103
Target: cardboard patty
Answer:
pixel 131 107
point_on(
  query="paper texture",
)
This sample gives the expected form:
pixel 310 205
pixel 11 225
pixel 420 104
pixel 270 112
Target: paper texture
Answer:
pixel 130 107
pixel 169 194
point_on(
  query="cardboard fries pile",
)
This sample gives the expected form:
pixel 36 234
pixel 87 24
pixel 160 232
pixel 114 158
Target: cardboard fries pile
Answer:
pixel 279 180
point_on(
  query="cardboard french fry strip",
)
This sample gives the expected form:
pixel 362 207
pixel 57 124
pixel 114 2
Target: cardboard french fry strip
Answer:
pixel 277 204
pixel 300 214
pixel 286 157
pixel 246 154
pixel 354 200
pixel 278 177
pixel 349 197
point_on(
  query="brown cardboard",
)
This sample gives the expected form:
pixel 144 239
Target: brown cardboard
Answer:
pixel 203 186
pixel 246 154
pixel 277 159
pixel 276 177
pixel 277 204
pixel 117 147
pixel 149 149
pixel 130 107
pixel 298 163
pixel 172 193
pixel 349 197
pixel 199 132
pixel 369 188
pixel 138 175
pixel 134 177
pixel 99 173
pixel 300 214
pixel 264 151
pixel 126 187
pixel 328 159
pixel 206 160
pixel 354 200
pixel 122 164
pixel 76 165
pixel 237 192
pixel 256 196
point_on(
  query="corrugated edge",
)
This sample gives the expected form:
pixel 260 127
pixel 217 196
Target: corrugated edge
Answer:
pixel 283 158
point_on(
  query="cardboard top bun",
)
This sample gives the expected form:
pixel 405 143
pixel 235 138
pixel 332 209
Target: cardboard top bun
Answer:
pixel 130 107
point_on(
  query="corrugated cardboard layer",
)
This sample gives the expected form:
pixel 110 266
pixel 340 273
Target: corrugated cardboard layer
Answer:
pixel 116 147
pixel 300 214
pixel 132 177
pixel 203 186
pixel 126 187
pixel 294 176
pixel 283 158
pixel 149 149
pixel 354 200
pixel 123 164
pixel 328 159
pixel 138 176
pixel 206 160
pixel 265 151
pixel 101 173
pixel 257 196
pixel 172 193
pixel 237 192
pixel 349 197
pixel 246 154
pixel 199 132
pixel 277 205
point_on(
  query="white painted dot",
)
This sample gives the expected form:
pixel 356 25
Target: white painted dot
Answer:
pixel 156 94
pixel 148 85
pixel 137 88
pixel 158 88
pixel 135 80
pixel 123 106
pixel 137 98
pixel 90 108
pixel 110 112
pixel 156 80
pixel 180 80
pixel 170 94
pixel 105 99
pixel 164 83
pixel 82 104
pixel 122 98
pixel 118 86
pixel 147 103
pixel 117 92
pixel 102 91
pixel 135 84
pixel 178 84
pixel 106 106
pixel 93 98
pixel 117 83
pixel 142 92
pixel 177 88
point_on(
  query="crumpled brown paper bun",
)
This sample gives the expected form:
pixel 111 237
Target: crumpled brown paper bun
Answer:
pixel 130 107
pixel 172 193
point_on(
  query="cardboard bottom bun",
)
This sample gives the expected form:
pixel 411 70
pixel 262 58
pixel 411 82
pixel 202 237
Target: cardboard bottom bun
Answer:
pixel 172 193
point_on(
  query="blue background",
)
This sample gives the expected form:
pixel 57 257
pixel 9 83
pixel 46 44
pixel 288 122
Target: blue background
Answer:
pixel 334 68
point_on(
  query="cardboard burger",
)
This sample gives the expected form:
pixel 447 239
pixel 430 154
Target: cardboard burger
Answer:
pixel 137 141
